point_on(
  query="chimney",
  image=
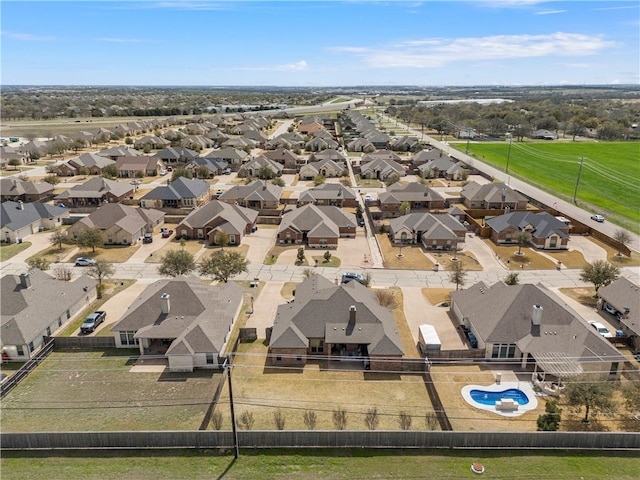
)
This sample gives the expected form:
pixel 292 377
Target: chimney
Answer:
pixel 625 314
pixel 352 315
pixel 20 205
pixel 536 315
pixel 164 300
pixel 25 280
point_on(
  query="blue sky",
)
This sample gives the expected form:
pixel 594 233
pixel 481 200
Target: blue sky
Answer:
pixel 306 43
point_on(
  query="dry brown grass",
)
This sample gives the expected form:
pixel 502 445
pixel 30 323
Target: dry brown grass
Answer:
pixel 435 296
pixel 468 260
pixel 569 258
pixel 262 391
pixel 413 258
pixel 449 381
pixel 531 260
pixel 191 246
pixel 287 290
pixel 612 255
pixel 286 194
pixel 408 343
pixel 112 254
pixel 583 295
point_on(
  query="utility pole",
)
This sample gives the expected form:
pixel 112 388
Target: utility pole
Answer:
pixel 506 170
pixel 575 192
pixel 227 364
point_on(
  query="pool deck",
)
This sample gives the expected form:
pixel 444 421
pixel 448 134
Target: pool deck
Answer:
pixel 524 387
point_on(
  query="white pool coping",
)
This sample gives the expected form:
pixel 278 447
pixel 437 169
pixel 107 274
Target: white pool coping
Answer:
pixel 525 387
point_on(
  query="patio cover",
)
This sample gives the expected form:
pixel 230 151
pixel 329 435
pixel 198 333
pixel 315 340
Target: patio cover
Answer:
pixel 559 364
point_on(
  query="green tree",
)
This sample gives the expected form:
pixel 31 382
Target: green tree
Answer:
pixel 278 181
pixel 176 262
pixel 300 255
pixel 522 238
pixel 222 265
pixel 512 279
pixel 83 171
pixel 318 180
pixel 91 238
pixel 110 171
pixel 38 262
pixel 404 206
pixel 631 394
pixel 181 172
pixel 101 271
pixel 52 179
pixel 594 393
pixel 359 211
pixel 265 173
pixel 550 421
pixel 458 274
pixel 599 272
pixel 15 163
pixel 58 238
pixel 221 238
pixel 327 256
pixel 203 172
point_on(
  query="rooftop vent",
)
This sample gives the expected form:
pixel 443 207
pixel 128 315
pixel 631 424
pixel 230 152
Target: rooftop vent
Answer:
pixel 536 314
pixel 164 301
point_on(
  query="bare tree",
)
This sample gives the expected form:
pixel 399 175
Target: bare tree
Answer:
pixel 278 419
pixel 216 420
pixel 58 238
pixel 38 262
pixel 387 298
pixel 623 237
pixel 458 274
pixel 431 420
pixel 371 419
pixel 309 419
pixel 63 272
pixel 246 420
pixel 404 420
pixel 522 238
pixel 340 418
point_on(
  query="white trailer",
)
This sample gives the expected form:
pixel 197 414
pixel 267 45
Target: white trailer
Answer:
pixel 428 338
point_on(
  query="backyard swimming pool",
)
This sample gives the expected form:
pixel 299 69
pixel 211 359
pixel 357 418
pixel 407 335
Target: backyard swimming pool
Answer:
pixel 490 398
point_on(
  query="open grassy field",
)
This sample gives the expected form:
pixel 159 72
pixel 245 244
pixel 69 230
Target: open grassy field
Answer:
pixel 96 390
pixel 609 181
pixel 305 464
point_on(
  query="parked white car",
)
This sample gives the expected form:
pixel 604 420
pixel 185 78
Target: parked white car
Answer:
pixel 85 262
pixel 601 329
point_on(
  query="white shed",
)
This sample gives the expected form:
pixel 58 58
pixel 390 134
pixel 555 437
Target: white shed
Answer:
pixel 428 338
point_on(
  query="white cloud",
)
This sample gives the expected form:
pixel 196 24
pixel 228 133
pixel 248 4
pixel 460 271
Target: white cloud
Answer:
pixel 550 12
pixel 433 52
pixel 287 67
pixel 122 40
pixel 28 37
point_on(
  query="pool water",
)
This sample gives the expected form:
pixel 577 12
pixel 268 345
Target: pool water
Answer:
pixel 490 398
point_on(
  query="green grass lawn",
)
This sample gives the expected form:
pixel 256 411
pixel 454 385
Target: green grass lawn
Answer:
pixel 609 181
pixel 307 464
pixel 8 251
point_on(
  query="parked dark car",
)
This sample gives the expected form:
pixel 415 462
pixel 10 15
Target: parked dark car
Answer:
pixel 148 238
pixel 92 321
pixel 347 277
pixel 166 233
pixel 473 341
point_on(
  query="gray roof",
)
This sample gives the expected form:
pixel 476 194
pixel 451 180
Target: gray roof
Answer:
pixel 180 188
pixel 129 219
pixel 322 310
pixel 383 165
pixel 176 153
pixel 502 314
pixel 540 225
pixel 317 220
pixel 623 294
pixel 491 192
pixel 262 161
pixel 431 226
pixel 411 192
pixel 27 312
pixel 380 155
pixel 328 191
pixel 199 318
pixel 10 186
pixel 258 190
pixel 97 187
pixel 15 215
pixel 235 216
pixel 213 164
pixel 90 160
pixel 121 151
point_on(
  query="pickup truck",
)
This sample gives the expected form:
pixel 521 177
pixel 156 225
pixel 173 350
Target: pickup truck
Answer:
pixel 166 233
pixel 92 321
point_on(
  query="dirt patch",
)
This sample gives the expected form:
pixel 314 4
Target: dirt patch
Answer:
pixel 435 296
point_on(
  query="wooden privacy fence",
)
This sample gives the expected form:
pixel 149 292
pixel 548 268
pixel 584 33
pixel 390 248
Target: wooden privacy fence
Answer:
pixel 319 439
pixel 84 342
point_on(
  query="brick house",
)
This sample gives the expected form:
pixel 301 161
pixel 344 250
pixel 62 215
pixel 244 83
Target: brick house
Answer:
pixel 316 227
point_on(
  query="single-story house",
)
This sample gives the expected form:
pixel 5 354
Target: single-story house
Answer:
pixel 35 305
pixel 181 193
pixel 12 188
pixel 547 232
pixel 259 195
pixel 316 226
pixel 19 220
pixel 122 151
pixel 623 297
pixel 95 192
pixel 343 322
pixel 492 196
pixel 173 155
pixel 183 319
pixel 382 169
pixel 329 194
pixel 326 168
pixel 442 167
pixel 94 164
pixel 416 195
pixel 232 156
pixel 214 166
pixel 284 157
pixel 543 134
pixel 255 166
pixel 132 167
pixel 121 224
pixel 530 324
pixel 151 141
pixel 380 155
pixel 433 231
pixel 207 220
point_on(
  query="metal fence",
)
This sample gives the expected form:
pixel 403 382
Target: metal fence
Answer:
pixel 22 373
pixel 320 439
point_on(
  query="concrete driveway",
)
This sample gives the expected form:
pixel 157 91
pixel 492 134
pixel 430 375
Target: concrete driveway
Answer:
pixel 39 242
pixel 589 249
pixel 259 243
pixel 483 254
pixel 264 308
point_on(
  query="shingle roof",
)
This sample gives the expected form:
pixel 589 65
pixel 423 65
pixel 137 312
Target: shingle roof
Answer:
pixel 258 190
pixel 543 223
pixel 322 310
pixel 411 192
pixel 180 188
pixel 97 187
pixel 15 215
pixel 238 217
pixel 491 192
pixel 28 311
pixel 129 219
pixel 10 186
pixel 328 191
pixel 325 220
